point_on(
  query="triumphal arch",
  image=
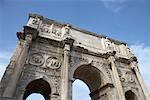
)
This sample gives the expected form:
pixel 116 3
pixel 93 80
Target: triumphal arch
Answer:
pixel 51 55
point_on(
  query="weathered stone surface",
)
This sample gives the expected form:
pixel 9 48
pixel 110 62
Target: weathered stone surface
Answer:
pixel 51 55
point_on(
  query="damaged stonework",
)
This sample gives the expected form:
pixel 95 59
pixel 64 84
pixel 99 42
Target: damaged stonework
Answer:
pixel 51 55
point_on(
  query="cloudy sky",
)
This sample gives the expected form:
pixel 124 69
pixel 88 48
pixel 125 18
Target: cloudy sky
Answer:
pixel 125 20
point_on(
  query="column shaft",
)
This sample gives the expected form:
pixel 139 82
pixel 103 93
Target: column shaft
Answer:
pixel 117 81
pixel 65 74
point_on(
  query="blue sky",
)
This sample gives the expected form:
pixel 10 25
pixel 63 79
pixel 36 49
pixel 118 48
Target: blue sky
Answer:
pixel 125 20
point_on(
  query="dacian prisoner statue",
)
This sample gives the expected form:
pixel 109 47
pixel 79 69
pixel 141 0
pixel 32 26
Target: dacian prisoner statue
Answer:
pixel 50 56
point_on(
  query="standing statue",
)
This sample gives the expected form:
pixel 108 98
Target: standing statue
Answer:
pixel 65 31
pixel 109 45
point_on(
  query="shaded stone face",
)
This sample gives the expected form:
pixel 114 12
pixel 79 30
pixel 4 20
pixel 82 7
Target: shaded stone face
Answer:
pixel 51 55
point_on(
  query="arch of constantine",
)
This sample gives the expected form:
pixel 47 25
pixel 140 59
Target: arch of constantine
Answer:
pixel 51 55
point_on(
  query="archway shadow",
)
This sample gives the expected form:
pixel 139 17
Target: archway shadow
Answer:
pixel 38 86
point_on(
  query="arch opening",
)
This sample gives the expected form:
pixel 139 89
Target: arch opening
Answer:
pixel 129 95
pixel 80 90
pixel 35 96
pixel 91 76
pixel 38 86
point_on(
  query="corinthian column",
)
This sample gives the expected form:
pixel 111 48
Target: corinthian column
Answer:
pixel 134 66
pixel 117 81
pixel 65 81
pixel 27 36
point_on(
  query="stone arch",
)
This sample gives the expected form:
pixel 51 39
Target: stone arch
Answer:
pixel 90 75
pixel 105 74
pixel 38 86
pixel 129 95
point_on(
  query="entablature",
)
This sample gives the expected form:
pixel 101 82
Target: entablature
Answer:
pixel 84 41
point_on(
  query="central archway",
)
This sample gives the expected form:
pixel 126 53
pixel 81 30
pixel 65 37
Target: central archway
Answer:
pixel 38 86
pixel 91 76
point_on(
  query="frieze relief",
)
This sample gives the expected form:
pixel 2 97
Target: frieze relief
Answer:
pixel 54 30
pixel 51 29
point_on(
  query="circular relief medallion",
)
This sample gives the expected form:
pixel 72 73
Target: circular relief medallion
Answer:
pixel 131 79
pixel 36 59
pixel 53 63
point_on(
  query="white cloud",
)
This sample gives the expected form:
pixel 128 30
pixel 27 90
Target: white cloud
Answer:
pixel 143 54
pixel 4 60
pixel 113 5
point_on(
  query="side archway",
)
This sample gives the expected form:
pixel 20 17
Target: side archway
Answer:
pixel 129 95
pixel 91 76
pixel 38 86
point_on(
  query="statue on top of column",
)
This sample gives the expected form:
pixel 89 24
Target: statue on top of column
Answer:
pixel 65 31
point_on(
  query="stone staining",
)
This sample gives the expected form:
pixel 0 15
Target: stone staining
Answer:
pixel 50 52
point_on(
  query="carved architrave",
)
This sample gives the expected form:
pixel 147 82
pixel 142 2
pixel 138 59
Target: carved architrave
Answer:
pixel 53 63
pixel 36 59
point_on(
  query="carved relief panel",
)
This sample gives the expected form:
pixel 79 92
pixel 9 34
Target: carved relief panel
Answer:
pixel 55 31
pixel 36 59
pixel 46 61
pixel 53 63
pixel 127 78
pixel 34 22
pixel 50 29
